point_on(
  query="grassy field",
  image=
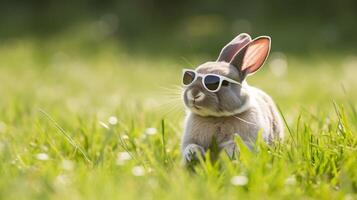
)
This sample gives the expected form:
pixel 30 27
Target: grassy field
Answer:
pixel 104 124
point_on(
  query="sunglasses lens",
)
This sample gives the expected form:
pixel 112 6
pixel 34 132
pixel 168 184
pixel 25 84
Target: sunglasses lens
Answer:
pixel 188 77
pixel 212 82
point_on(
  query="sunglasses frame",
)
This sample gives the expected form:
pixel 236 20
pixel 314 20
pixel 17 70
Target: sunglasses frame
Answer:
pixel 203 76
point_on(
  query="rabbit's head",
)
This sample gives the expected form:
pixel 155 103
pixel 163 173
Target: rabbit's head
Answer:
pixel 205 96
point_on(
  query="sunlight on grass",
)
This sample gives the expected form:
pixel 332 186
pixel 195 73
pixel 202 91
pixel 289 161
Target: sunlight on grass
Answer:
pixel 75 126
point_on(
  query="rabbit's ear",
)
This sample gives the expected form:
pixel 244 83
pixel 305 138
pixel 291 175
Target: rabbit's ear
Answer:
pixel 233 47
pixel 252 56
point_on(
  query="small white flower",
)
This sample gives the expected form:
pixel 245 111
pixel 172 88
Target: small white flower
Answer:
pixel 67 165
pixel 138 171
pixel 239 180
pixel 113 120
pixel 125 136
pixel 122 157
pixel 151 131
pixel 42 156
pixel 291 180
pixel 104 125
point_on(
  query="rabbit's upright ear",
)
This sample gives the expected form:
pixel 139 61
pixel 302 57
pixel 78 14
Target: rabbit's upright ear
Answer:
pixel 233 47
pixel 252 56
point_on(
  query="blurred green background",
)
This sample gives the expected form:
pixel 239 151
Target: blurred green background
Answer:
pixel 143 44
pixel 158 27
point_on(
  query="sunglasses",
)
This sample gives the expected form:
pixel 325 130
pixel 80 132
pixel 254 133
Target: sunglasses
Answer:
pixel 211 82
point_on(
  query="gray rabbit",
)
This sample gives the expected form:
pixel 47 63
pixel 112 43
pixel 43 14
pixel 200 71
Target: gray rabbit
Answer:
pixel 220 103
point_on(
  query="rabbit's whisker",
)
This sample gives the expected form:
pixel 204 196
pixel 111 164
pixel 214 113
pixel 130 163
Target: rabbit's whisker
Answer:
pixel 245 121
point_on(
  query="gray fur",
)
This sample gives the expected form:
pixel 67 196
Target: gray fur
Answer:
pixel 234 109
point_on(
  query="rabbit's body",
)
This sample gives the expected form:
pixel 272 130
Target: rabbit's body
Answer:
pixel 260 114
pixel 234 107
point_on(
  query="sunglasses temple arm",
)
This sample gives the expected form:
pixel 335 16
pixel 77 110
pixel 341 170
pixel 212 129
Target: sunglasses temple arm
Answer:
pixel 232 81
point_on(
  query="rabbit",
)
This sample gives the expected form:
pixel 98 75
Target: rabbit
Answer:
pixel 236 108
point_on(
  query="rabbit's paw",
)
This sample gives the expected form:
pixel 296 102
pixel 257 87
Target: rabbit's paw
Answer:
pixel 191 153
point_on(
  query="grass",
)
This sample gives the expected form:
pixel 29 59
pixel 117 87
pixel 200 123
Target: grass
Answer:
pixel 106 125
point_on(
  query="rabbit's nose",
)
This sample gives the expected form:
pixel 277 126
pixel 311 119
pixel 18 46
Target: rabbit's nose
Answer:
pixel 195 95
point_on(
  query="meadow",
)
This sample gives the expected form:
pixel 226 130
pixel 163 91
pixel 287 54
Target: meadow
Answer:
pixel 101 123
